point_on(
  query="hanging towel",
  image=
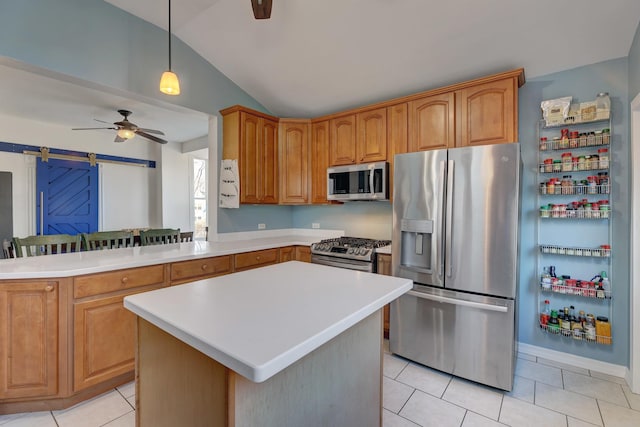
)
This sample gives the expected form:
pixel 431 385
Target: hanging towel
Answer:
pixel 229 184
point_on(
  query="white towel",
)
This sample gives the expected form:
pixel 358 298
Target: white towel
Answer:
pixel 229 184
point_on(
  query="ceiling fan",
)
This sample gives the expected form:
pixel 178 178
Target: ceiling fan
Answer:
pixel 127 130
pixel 261 9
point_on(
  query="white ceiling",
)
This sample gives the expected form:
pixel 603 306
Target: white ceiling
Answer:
pixel 320 56
pixel 50 98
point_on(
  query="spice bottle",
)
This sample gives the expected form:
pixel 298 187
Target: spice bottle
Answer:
pixel 554 326
pixel 604 158
pixel 545 315
pixel 603 330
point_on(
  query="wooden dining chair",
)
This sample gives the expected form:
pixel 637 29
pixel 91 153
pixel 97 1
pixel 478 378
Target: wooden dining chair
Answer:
pixel 186 236
pixel 159 236
pixel 46 245
pixel 107 240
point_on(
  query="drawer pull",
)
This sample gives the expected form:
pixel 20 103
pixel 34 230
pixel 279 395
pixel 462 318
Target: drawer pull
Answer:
pixel 124 280
pixel 204 267
pixel 48 288
pixel 258 258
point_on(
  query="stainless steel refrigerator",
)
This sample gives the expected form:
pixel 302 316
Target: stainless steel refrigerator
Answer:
pixel 455 234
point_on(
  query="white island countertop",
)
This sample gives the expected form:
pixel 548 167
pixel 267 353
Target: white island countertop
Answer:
pixel 258 322
pixel 79 263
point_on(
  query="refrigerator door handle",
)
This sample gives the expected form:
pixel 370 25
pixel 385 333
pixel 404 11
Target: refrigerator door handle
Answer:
pixel 449 220
pixel 441 225
pixel 463 303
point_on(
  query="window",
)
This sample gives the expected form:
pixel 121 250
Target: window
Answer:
pixel 199 199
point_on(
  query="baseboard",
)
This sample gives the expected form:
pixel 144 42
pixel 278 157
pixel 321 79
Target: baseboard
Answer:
pixel 578 361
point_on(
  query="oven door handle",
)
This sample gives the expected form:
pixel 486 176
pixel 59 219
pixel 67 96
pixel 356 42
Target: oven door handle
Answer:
pixel 342 263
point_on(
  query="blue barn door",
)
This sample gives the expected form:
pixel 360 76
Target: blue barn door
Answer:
pixel 66 197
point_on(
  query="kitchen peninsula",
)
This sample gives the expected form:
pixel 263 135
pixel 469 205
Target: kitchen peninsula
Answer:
pixel 285 345
pixel 64 333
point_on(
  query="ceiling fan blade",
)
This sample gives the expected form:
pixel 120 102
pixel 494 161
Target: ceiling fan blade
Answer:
pixel 151 137
pixel 93 128
pixel 118 139
pixel 261 9
pixel 156 131
pixel 102 121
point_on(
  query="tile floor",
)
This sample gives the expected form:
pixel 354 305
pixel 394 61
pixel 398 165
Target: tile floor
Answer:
pixel 546 393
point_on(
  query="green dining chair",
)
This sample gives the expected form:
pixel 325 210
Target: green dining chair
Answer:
pixel 46 245
pixel 159 236
pixel 107 240
pixel 186 236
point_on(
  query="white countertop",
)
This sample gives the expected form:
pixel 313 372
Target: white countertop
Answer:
pixel 260 321
pixel 75 264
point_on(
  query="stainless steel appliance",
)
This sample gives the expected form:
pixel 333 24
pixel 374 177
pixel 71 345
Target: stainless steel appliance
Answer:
pixel 366 181
pixel 455 234
pixel 353 253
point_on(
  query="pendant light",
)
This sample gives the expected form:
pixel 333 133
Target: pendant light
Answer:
pixel 169 82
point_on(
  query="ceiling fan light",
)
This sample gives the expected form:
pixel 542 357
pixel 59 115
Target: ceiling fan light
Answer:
pixel 126 133
pixel 169 83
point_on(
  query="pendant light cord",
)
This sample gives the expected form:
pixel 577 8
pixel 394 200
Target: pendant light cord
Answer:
pixel 169 35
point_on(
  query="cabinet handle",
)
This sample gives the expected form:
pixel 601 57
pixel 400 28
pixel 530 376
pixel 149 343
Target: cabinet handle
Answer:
pixel 258 258
pixel 204 267
pixel 48 288
pixel 124 280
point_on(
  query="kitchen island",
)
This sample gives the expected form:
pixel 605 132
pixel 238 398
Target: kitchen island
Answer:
pixel 285 345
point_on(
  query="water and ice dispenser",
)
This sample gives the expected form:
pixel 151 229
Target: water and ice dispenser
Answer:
pixel 416 245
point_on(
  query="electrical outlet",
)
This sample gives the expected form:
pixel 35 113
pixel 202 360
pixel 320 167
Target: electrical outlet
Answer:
pixel 315 225
pixel 261 226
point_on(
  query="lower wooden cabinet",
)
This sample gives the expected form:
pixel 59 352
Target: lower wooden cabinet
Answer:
pixel 203 268
pixel 255 259
pixel 303 253
pixel 288 253
pixel 384 267
pixel 28 339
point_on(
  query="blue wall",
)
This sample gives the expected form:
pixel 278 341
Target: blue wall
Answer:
pixel 97 42
pixel 634 66
pixel 583 84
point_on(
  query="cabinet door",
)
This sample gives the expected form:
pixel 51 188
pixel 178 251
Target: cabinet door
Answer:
pixel 384 268
pixel 287 253
pixel 342 140
pixel 319 161
pixel 294 162
pixel 250 180
pixel 487 113
pixel 249 260
pixel 103 340
pixel 303 253
pixel 372 136
pixel 268 162
pixel 28 339
pixel 432 122
pixel 398 136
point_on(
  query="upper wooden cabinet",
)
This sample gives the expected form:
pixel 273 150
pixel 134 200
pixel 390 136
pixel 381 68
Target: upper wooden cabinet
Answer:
pixel 372 136
pixel 432 122
pixel 28 339
pixel 294 161
pixel 397 136
pixel 252 138
pixel 319 161
pixel 487 113
pixel 342 140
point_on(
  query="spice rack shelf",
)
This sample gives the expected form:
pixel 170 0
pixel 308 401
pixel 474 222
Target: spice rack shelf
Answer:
pixel 574 160
pixel 577 336
pixel 603 251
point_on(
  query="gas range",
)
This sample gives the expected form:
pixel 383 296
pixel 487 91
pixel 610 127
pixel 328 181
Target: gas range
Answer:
pixel 347 252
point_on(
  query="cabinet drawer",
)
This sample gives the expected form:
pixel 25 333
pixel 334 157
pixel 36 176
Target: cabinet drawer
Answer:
pixel 102 283
pixel 200 268
pixel 255 259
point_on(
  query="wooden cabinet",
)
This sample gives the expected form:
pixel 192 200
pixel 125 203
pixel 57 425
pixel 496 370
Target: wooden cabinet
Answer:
pixel 342 140
pixel 372 136
pixel 249 260
pixel 397 136
pixel 28 339
pixel 319 161
pixel 432 122
pixel 288 253
pixel 103 330
pixel 252 138
pixel 384 267
pixel 488 113
pixel 294 161
pixel 197 269
pixel 303 253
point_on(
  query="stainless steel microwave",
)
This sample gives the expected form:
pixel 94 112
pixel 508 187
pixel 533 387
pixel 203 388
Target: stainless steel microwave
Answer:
pixel 366 181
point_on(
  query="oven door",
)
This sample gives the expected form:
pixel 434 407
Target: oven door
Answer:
pixel 350 264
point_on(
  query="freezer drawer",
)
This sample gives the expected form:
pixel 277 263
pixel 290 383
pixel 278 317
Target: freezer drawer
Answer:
pixel 467 335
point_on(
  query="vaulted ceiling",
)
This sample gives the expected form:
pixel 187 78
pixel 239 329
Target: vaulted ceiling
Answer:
pixel 319 56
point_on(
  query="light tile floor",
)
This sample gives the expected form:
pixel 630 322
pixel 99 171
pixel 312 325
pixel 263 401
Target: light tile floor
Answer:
pixel 546 393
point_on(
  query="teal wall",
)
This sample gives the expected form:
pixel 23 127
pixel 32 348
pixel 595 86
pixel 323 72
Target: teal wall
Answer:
pixel 97 42
pixel 634 66
pixel 583 84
